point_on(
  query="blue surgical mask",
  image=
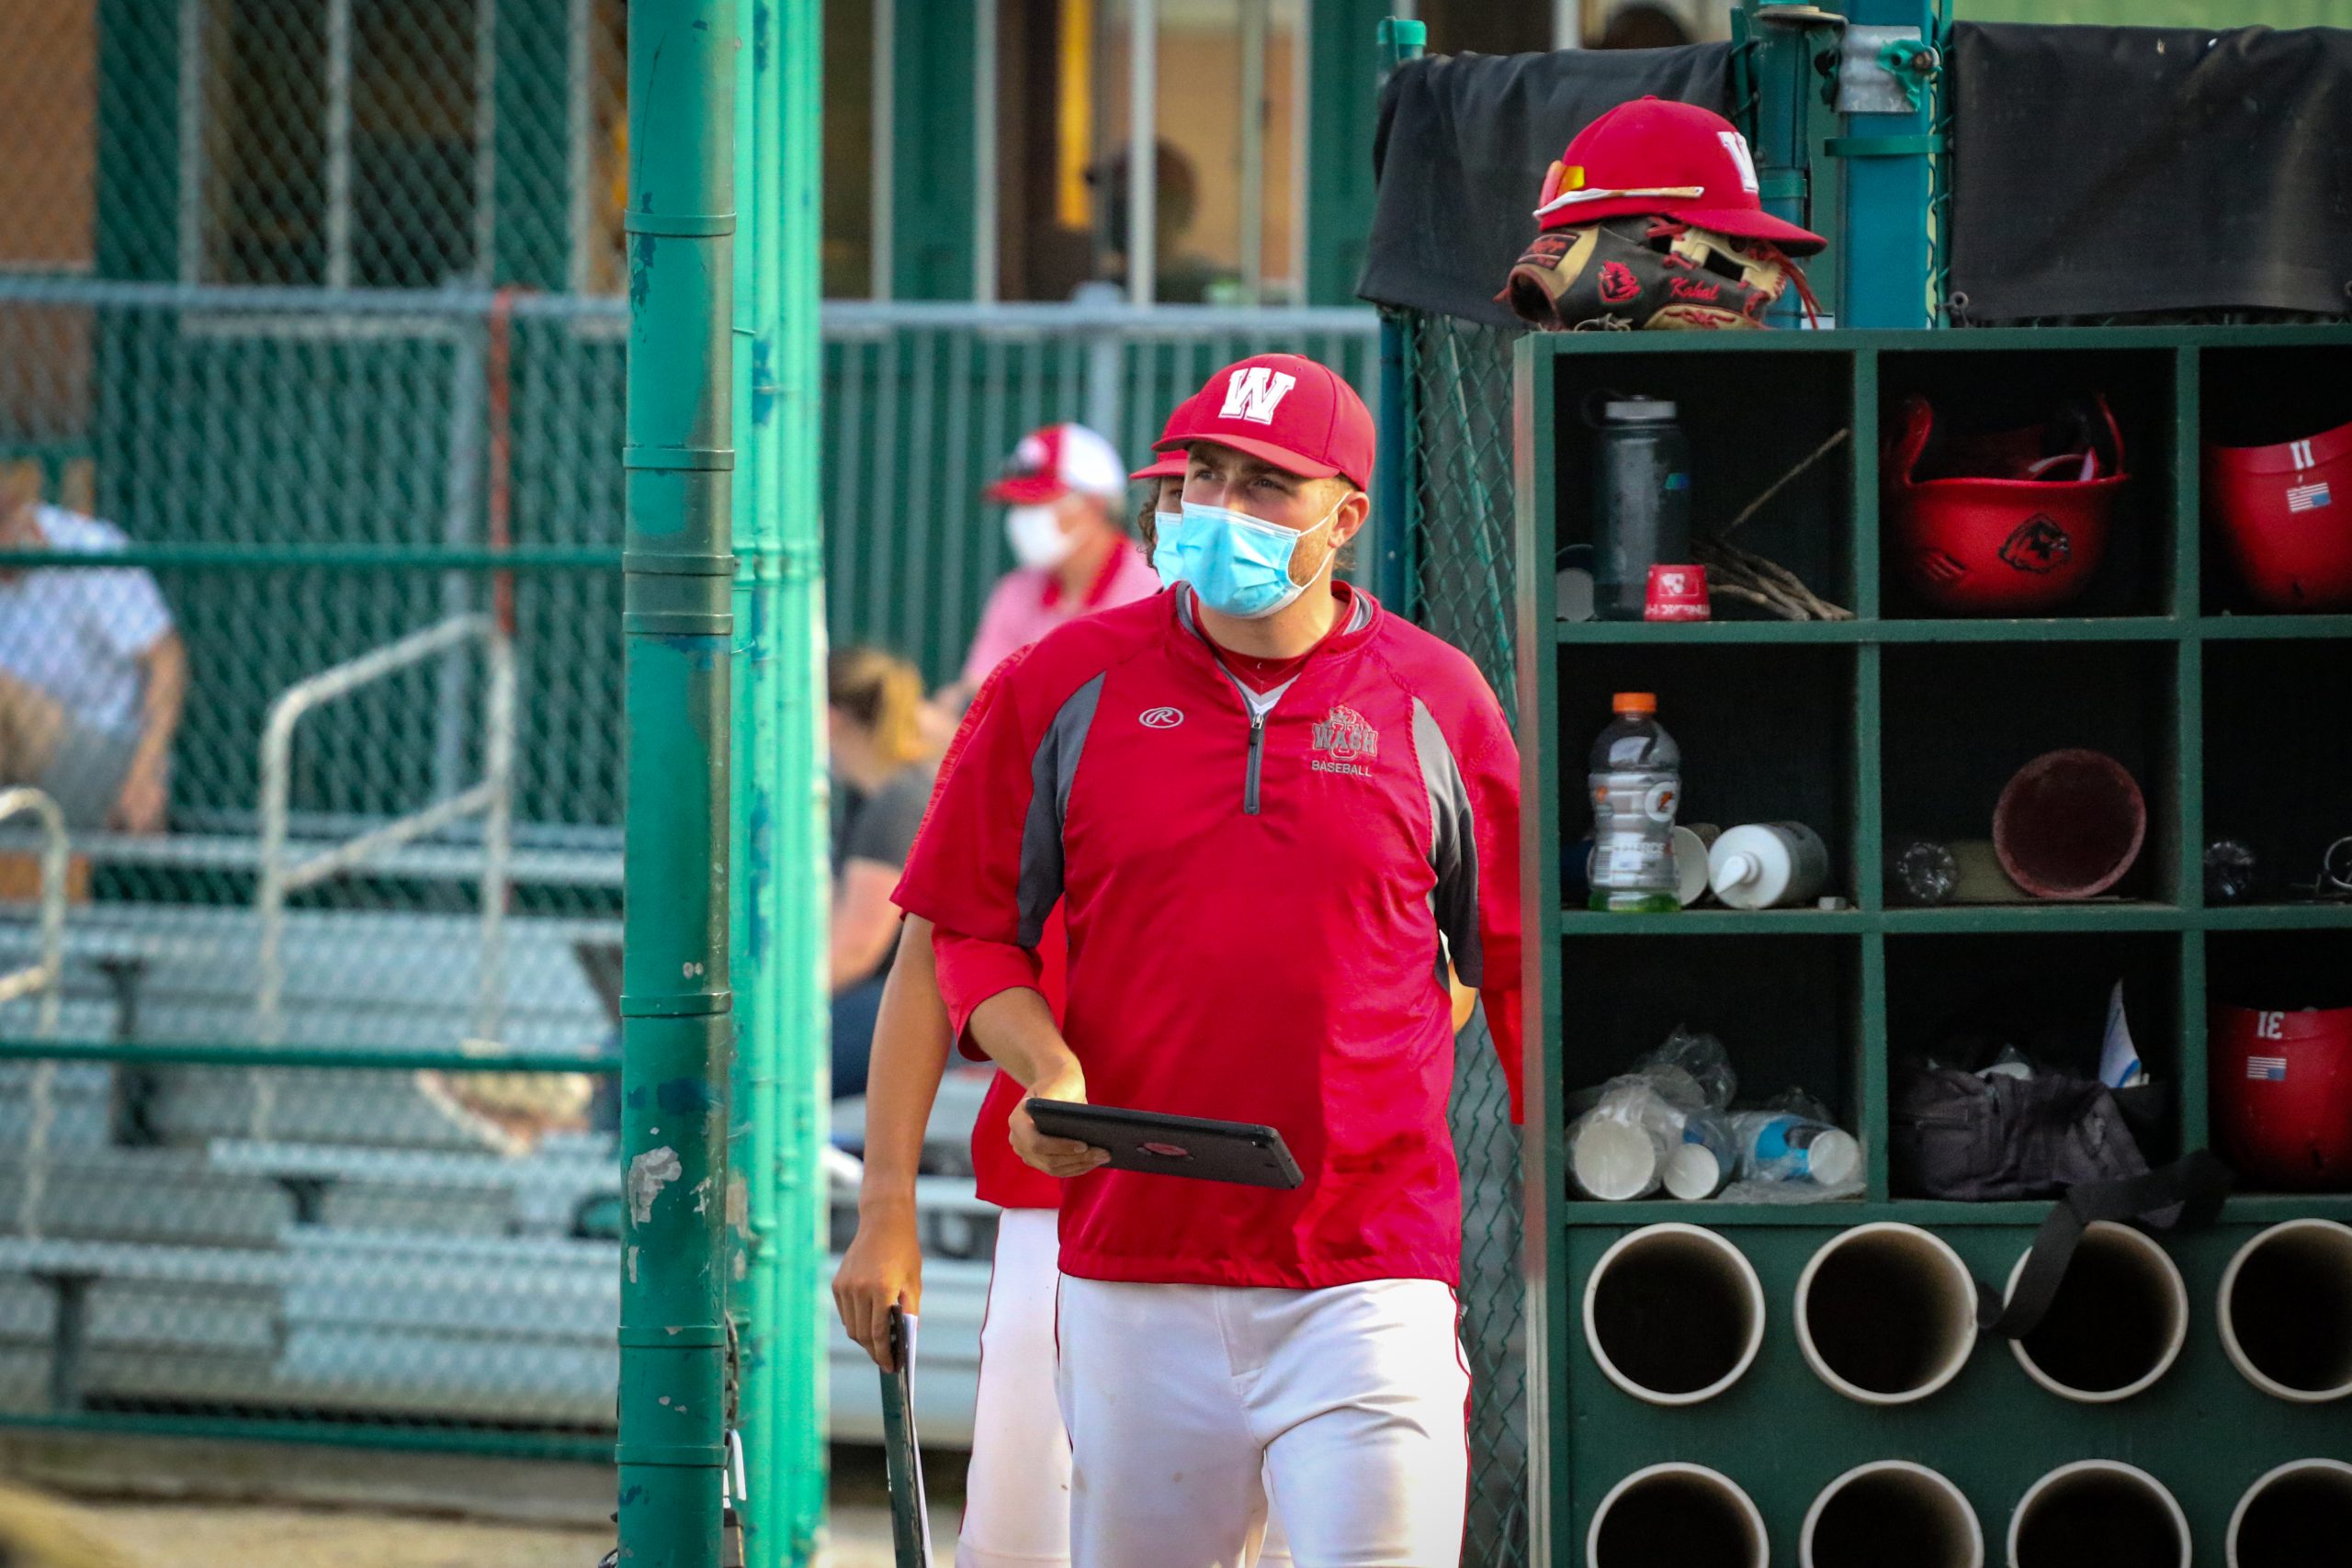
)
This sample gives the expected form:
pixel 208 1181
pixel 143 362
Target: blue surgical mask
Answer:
pixel 1238 565
pixel 1167 558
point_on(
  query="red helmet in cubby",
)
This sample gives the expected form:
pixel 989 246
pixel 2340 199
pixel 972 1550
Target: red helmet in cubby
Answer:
pixel 2284 512
pixel 2282 1095
pixel 2006 524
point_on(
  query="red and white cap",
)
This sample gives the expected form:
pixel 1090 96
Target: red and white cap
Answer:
pixel 1060 461
pixel 1300 416
pixel 1678 160
pixel 1168 464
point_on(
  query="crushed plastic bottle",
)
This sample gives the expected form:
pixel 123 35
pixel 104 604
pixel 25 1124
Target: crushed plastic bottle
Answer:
pixel 1662 1123
pixel 1777 1145
pixel 1927 873
pixel 2230 870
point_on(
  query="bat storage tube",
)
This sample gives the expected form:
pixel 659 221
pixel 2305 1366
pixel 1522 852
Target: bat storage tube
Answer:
pixel 2098 1511
pixel 1890 1511
pixel 1683 1514
pixel 2300 1513
pixel 1887 1312
pixel 2118 1322
pixel 2286 1308
pixel 1673 1314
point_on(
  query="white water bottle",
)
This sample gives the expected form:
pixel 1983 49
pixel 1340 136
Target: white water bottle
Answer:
pixel 1766 865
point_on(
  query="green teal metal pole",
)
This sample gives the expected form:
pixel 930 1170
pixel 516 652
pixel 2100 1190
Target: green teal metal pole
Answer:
pixel 1781 67
pixel 752 1141
pixel 1889 255
pixel 676 571
pixel 802 1099
pixel 1401 40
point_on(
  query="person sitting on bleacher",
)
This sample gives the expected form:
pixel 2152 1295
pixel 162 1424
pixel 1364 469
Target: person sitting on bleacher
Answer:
pixel 92 673
pixel 882 769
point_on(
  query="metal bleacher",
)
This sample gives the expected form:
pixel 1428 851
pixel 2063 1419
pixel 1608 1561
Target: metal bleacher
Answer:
pixel 329 1241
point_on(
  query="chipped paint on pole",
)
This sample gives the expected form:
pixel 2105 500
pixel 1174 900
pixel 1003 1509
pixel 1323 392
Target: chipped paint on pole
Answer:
pixel 676 1006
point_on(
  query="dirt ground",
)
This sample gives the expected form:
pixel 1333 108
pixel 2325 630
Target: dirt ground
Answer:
pixel 279 1538
pixel 155 1537
pixel 153 1534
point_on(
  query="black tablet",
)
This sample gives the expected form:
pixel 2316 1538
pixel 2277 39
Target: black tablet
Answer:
pixel 902 1458
pixel 1158 1144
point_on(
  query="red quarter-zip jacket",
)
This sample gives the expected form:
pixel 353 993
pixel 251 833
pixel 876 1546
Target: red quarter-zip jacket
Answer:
pixel 1255 904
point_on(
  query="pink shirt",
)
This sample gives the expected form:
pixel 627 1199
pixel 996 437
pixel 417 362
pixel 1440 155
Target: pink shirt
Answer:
pixel 1026 604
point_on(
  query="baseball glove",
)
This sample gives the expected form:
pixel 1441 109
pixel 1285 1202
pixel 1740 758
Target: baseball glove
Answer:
pixel 1648 273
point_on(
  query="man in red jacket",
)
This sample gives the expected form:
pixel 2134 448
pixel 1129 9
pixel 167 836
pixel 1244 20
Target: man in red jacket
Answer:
pixel 1270 811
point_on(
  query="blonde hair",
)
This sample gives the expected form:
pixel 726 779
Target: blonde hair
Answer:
pixel 882 694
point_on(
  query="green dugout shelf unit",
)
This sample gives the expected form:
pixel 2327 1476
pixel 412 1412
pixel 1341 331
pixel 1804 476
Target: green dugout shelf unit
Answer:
pixel 1894 726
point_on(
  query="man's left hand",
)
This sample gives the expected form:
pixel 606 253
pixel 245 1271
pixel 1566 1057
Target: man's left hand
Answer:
pixel 144 801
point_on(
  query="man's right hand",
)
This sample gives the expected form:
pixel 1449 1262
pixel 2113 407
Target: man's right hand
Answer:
pixel 881 1269
pixel 1062 1157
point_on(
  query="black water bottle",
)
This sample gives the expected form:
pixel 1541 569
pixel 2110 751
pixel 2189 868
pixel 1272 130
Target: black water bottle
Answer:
pixel 1642 503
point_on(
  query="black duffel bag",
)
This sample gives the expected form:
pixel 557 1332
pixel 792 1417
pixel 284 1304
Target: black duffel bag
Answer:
pixel 1977 1137
pixel 1959 1134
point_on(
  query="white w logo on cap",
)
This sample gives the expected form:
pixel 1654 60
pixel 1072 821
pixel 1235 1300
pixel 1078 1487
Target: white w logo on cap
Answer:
pixel 1254 394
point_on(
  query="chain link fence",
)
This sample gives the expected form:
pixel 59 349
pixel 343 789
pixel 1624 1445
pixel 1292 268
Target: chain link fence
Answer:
pixel 310 636
pixel 1460 577
pixel 334 852
pixel 311 356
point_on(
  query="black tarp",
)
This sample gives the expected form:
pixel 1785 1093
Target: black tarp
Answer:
pixel 2126 171
pixel 1460 149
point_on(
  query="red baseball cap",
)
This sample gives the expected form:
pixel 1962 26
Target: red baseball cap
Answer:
pixel 1169 464
pixel 1298 415
pixel 1052 462
pixel 1676 159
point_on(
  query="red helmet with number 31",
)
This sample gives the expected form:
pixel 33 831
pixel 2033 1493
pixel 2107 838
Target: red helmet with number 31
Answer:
pixel 2284 513
pixel 2282 1095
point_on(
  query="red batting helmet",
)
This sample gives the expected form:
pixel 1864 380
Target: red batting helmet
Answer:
pixel 1679 160
pixel 2285 516
pixel 2282 1095
pixel 2007 523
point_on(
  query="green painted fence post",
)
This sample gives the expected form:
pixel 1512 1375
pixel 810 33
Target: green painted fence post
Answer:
pixel 802 1099
pixel 1394 574
pixel 1779 67
pixel 677 628
pixel 1890 249
pixel 754 1135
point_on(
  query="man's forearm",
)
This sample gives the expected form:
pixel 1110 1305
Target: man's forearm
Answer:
pixel 909 1056
pixel 1017 1030
pixel 164 699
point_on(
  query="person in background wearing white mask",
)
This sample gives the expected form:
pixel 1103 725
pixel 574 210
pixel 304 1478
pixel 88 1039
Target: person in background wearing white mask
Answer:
pixel 1063 490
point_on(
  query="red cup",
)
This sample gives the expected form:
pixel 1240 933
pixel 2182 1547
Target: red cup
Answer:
pixel 1676 593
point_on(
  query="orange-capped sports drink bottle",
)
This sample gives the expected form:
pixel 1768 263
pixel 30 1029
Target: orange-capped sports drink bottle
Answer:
pixel 1636 784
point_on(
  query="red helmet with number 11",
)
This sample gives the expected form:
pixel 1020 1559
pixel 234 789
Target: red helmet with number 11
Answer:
pixel 2285 516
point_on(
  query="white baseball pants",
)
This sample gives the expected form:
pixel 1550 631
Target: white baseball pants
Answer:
pixel 1184 1402
pixel 1017 1492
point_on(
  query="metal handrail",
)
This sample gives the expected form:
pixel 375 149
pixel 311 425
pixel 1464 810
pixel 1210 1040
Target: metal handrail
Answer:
pixel 43 976
pixel 836 315
pixel 55 856
pixel 282 877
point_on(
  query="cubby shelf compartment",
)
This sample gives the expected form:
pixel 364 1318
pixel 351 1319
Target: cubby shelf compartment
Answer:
pixel 2162 665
